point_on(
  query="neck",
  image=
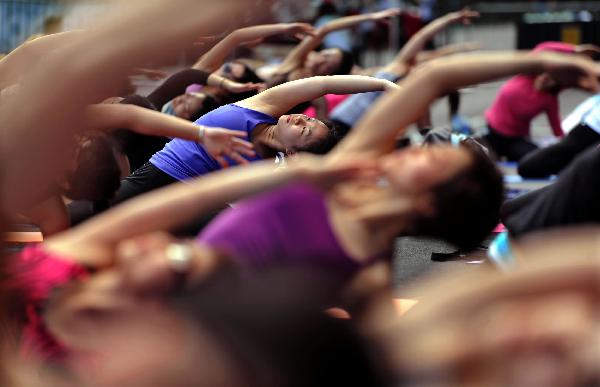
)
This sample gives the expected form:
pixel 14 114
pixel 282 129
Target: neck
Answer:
pixel 368 218
pixel 264 141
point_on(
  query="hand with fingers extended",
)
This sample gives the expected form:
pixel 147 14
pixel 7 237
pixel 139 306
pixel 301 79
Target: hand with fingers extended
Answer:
pixel 221 143
pixel 387 14
pixel 236 87
pixel 590 50
pixel 326 173
pixel 298 30
pixel 572 71
pixel 463 16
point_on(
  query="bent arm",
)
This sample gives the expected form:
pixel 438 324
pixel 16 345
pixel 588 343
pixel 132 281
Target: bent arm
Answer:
pixel 375 133
pixel 416 44
pixel 298 55
pixel 280 99
pixel 143 121
pixel 175 205
pixel 213 59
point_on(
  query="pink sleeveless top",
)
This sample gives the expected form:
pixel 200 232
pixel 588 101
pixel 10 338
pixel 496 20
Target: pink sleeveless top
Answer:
pixel 36 273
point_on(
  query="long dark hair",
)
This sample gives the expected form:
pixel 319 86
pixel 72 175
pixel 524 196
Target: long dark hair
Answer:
pixel 97 175
pixel 467 207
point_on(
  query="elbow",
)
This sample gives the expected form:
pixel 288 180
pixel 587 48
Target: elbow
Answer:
pixel 434 74
pixel 320 33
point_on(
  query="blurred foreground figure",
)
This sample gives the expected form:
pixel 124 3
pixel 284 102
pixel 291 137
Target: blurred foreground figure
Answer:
pixel 538 326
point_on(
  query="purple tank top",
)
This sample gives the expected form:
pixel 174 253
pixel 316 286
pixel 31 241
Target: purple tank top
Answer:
pixel 288 226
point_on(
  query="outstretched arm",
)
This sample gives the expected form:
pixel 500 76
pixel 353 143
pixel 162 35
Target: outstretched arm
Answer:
pixel 179 204
pixel 297 56
pixel 176 84
pixel 408 54
pixel 213 59
pixel 218 142
pixel 450 49
pixel 280 99
pixel 375 133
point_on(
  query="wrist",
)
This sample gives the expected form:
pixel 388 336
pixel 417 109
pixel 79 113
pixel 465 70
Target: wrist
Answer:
pixel 201 133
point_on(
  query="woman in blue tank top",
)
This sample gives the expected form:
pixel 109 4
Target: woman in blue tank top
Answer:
pixel 269 129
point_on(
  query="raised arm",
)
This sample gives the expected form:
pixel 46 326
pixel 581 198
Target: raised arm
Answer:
pixel 79 76
pixel 280 99
pixel 297 56
pixel 376 132
pixel 177 83
pixel 416 44
pixel 179 204
pixel 16 64
pixel 213 59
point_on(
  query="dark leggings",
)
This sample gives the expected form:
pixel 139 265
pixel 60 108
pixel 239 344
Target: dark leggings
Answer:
pixel 514 148
pixel 145 179
pixel 148 178
pixel 553 159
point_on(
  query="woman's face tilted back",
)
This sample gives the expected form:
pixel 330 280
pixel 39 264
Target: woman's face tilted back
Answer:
pixel 417 170
pixel 324 62
pixel 186 105
pixel 297 131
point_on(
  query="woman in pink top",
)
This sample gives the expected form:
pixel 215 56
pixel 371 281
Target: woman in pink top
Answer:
pixel 519 101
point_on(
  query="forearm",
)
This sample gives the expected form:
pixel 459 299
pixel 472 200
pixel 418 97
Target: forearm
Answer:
pixel 218 81
pixel 213 59
pixel 284 97
pixel 555 122
pixel 342 23
pixel 143 121
pixel 416 44
pixel 351 84
pixel 180 204
pixel 376 132
pixel 297 56
pixel 451 49
pixel 249 34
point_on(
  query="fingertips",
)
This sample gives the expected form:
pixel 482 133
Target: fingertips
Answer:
pixel 222 161
pixel 243 143
pixel 245 151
